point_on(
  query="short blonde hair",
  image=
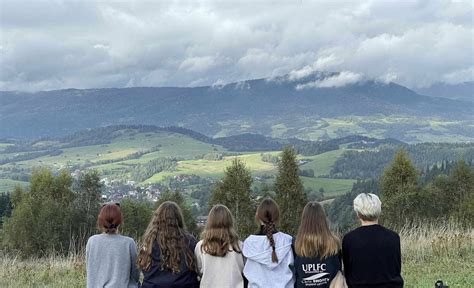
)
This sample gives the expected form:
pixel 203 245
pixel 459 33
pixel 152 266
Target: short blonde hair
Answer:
pixel 367 206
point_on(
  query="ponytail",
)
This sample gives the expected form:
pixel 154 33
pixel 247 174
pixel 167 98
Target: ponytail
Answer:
pixel 269 229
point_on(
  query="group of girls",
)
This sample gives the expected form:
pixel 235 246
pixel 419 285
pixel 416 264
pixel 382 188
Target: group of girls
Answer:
pixel 169 256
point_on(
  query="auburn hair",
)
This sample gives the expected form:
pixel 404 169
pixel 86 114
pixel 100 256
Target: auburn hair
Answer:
pixel 110 217
pixel 219 236
pixel 268 213
pixel 314 238
pixel 167 231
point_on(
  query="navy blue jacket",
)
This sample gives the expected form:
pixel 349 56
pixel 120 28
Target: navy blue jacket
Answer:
pixel 155 277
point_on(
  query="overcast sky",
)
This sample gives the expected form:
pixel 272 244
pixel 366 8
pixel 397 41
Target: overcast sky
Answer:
pixel 56 44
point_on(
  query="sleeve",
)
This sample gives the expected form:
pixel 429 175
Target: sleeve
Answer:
pixel 198 253
pixel 134 273
pixel 399 255
pixel 345 254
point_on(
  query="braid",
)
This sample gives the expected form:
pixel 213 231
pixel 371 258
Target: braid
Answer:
pixel 269 228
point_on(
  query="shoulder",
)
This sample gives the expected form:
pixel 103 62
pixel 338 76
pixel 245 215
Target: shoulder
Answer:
pixel 197 249
pixel 94 238
pixel 280 236
pixel 390 233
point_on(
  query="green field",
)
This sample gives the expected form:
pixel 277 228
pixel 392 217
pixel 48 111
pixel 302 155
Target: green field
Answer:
pixel 110 160
pixel 7 185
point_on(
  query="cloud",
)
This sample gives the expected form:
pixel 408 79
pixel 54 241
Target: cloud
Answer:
pixel 341 79
pixel 50 44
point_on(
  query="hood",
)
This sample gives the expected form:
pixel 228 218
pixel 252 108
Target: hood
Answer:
pixel 258 249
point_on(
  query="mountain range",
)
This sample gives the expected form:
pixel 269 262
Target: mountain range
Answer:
pixel 258 106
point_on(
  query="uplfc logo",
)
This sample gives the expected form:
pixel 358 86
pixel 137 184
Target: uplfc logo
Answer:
pixel 317 275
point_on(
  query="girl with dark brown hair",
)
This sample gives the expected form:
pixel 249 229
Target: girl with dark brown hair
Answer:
pixel 269 255
pixel 219 255
pixel 111 257
pixel 317 249
pixel 166 256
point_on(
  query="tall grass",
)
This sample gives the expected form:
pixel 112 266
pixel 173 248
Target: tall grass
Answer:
pixel 430 252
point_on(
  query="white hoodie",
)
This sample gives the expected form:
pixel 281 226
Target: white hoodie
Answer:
pixel 259 269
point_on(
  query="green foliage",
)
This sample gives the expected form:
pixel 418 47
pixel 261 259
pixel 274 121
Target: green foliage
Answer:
pixel 6 207
pixel 50 217
pixel 234 192
pixel 290 194
pixel 136 216
pixel 179 199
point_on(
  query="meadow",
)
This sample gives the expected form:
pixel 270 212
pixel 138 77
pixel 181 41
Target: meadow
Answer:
pixel 114 159
pixel 429 253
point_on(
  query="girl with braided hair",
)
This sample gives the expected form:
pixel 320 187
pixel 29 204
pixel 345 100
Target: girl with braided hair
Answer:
pixel 167 253
pixel 269 254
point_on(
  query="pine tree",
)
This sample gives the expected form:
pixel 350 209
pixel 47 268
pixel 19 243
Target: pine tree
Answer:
pixel 399 189
pixel 136 217
pixel 289 189
pixel 234 192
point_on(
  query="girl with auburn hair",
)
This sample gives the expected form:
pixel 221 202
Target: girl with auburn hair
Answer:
pixel 111 257
pixel 317 250
pixel 166 256
pixel 219 254
pixel 269 255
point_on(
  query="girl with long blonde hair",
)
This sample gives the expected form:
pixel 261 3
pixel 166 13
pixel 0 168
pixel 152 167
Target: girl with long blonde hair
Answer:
pixel 268 253
pixel 166 256
pixel 317 249
pixel 219 253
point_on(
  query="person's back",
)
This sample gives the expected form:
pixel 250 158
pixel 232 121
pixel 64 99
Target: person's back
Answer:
pixel 111 257
pixel 316 249
pixel 111 261
pixel 371 253
pixel 155 276
pixel 166 256
pixel 259 268
pixel 219 254
pixel 269 254
pixel 220 271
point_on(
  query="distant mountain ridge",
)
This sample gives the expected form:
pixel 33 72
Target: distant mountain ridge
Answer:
pixel 462 91
pixel 257 103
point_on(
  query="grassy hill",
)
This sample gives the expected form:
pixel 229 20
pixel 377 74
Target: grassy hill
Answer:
pixel 117 156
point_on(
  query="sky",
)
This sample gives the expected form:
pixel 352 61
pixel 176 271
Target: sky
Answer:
pixel 53 44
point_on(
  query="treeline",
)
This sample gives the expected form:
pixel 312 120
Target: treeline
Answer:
pixel 144 171
pixel 370 164
pixel 408 195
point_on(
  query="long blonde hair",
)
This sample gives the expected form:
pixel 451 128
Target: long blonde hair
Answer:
pixel 219 236
pixel 314 238
pixel 167 230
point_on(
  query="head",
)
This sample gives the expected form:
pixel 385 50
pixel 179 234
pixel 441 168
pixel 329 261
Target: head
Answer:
pixel 314 237
pixel 167 231
pixel 109 219
pixel 219 236
pixel 268 214
pixel 367 207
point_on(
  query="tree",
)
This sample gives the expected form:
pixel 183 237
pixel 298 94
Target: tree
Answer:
pixel 234 192
pixel 39 219
pixel 289 189
pixel 86 205
pixel 136 217
pixel 400 189
pixel 178 198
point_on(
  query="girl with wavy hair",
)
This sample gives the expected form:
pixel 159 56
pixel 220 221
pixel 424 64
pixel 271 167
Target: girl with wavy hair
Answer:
pixel 219 253
pixel 317 250
pixel 111 257
pixel 166 256
pixel 269 255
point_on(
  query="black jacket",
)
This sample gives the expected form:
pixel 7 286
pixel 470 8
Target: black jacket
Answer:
pixel 155 277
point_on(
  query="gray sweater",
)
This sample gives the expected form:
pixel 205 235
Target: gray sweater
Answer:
pixel 110 260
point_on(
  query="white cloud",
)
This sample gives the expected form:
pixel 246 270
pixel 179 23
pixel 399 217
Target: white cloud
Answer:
pixel 85 44
pixel 341 79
